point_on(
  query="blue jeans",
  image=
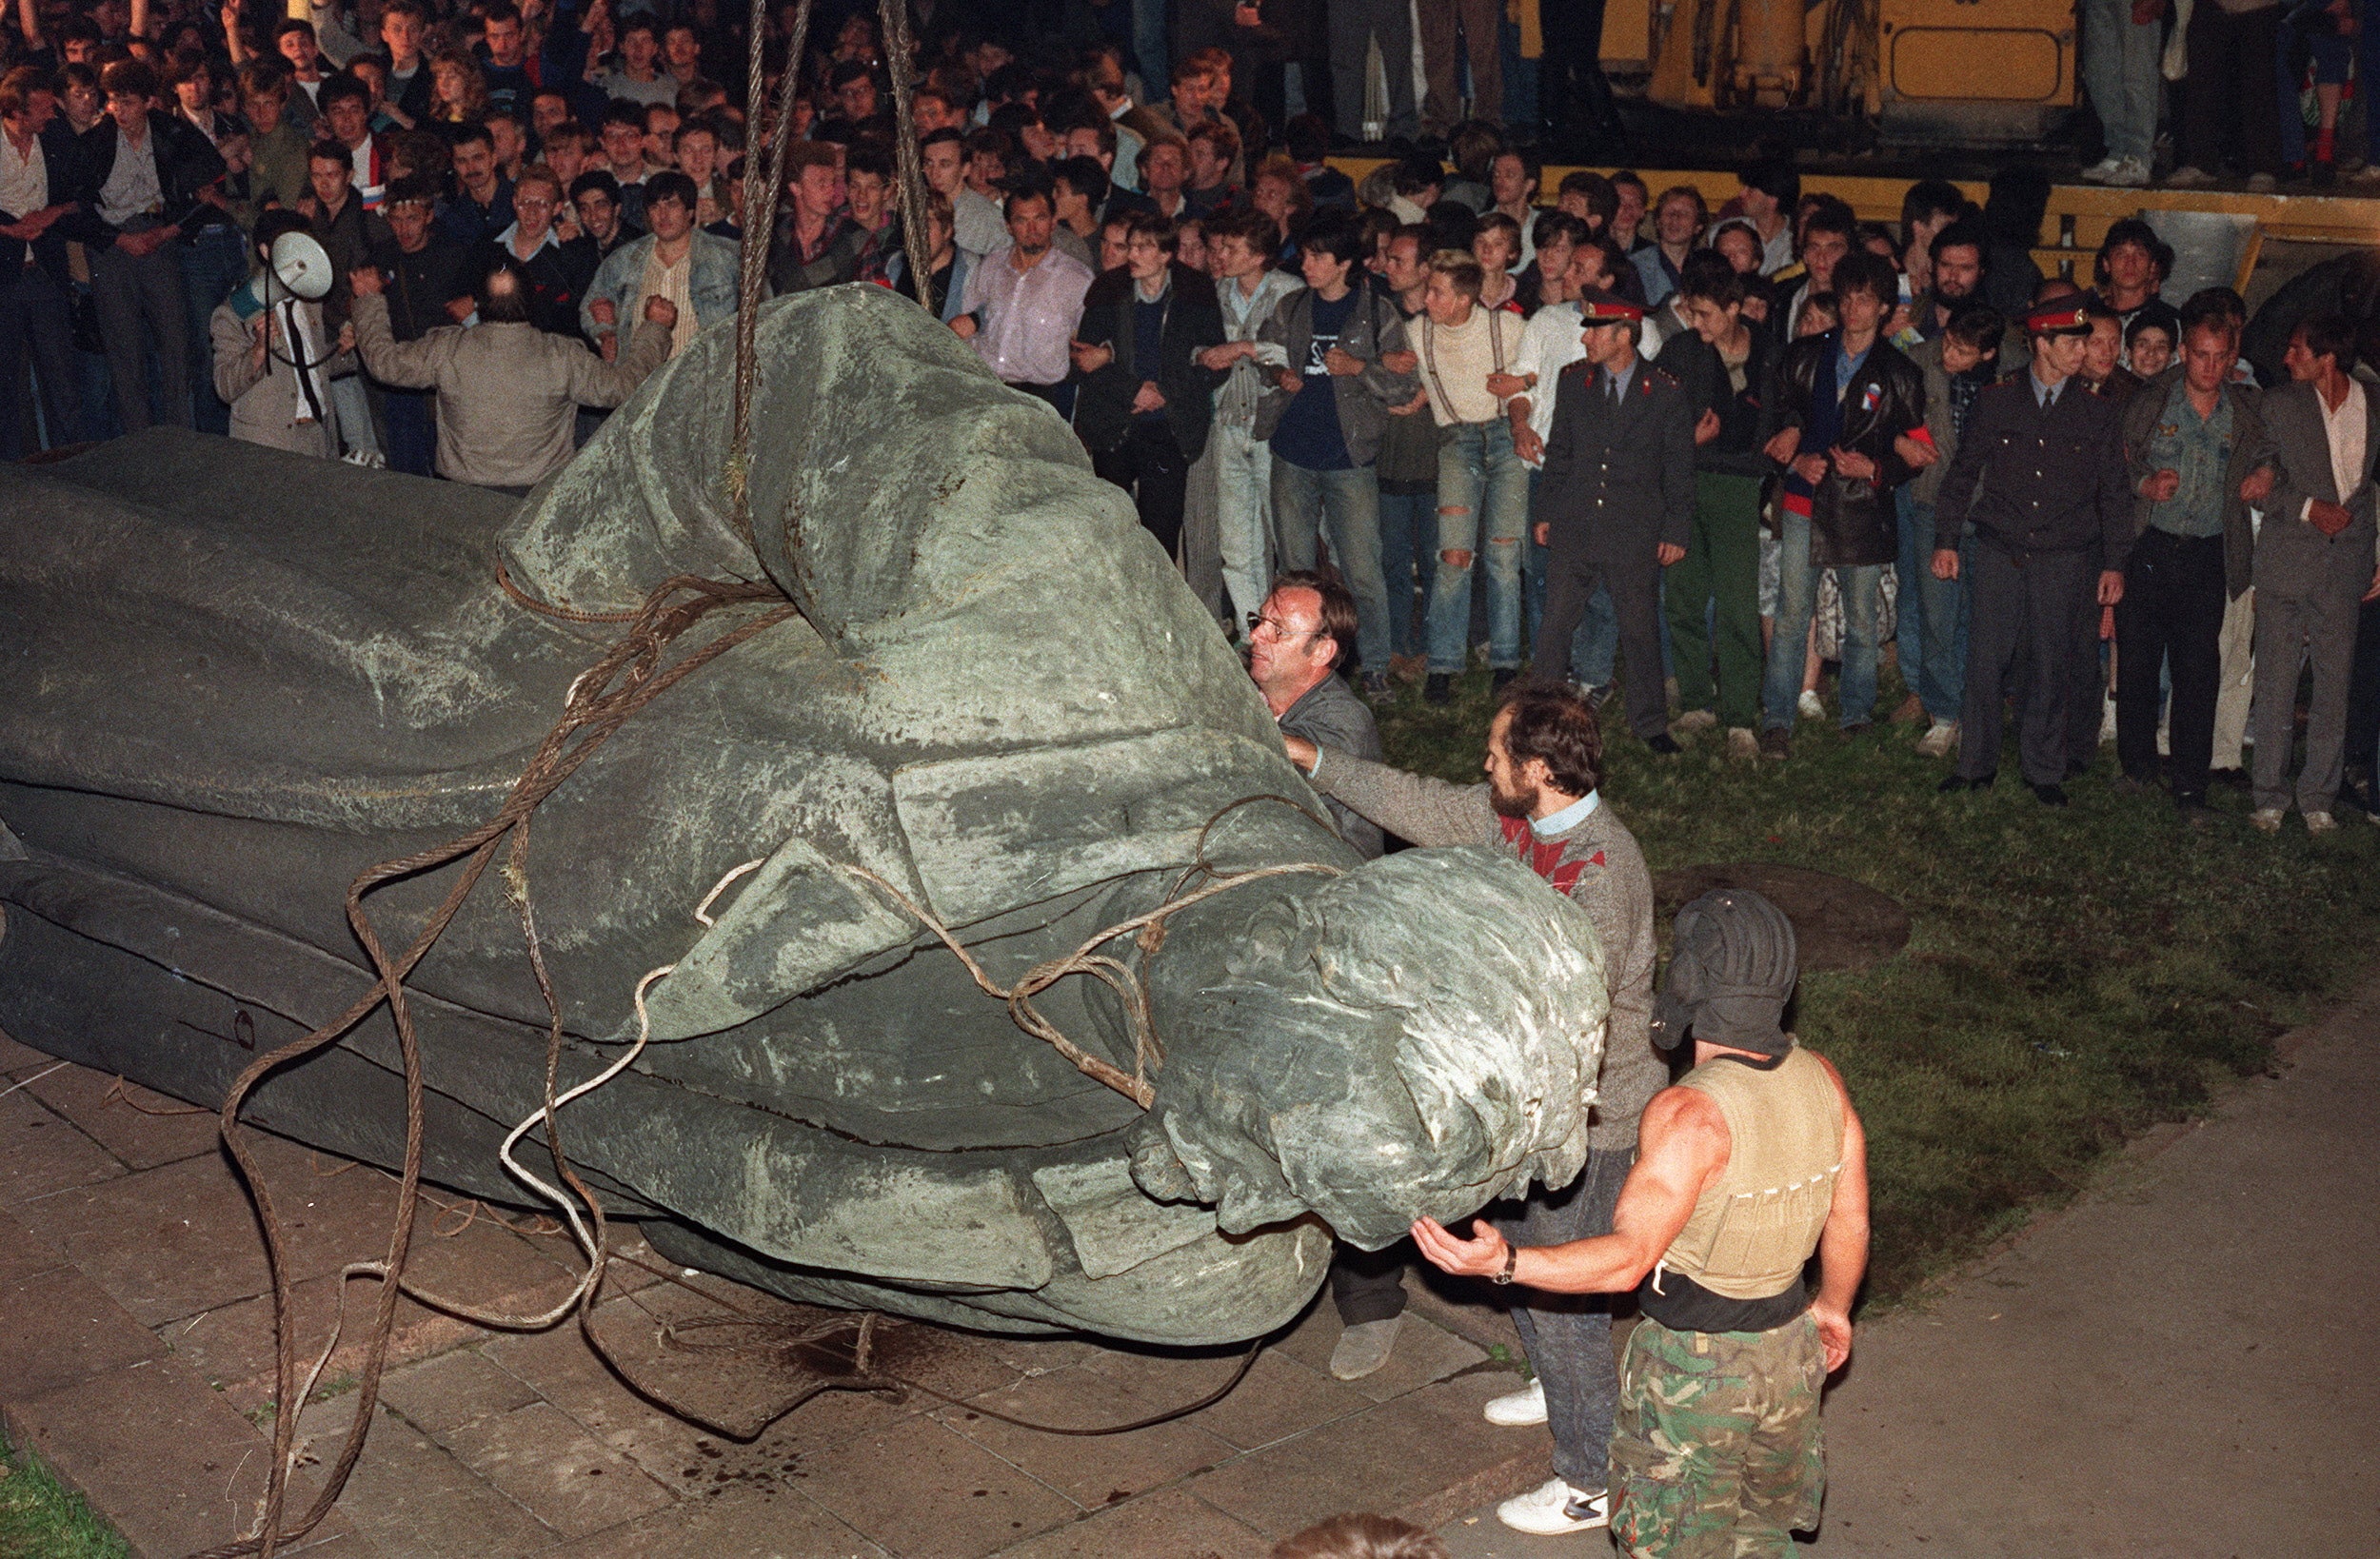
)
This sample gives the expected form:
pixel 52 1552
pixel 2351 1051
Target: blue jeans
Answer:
pixel 213 262
pixel 1595 647
pixel 2328 54
pixel 1408 542
pixel 1348 503
pixel 1477 470
pixel 1796 598
pixel 1932 627
pixel 1243 516
pixel 1568 1336
pixel 2120 69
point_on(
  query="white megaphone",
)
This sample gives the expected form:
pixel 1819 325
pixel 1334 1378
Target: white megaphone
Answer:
pixel 302 265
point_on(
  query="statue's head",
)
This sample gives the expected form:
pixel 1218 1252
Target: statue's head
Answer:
pixel 1418 1036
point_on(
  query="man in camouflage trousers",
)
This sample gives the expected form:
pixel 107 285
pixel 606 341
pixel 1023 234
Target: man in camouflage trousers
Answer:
pixel 1754 1162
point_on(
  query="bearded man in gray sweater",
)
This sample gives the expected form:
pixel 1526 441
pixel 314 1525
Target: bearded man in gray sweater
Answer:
pixel 1542 803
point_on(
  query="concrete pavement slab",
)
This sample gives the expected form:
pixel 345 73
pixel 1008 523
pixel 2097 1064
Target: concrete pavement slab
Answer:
pixel 1423 1352
pixel 412 1500
pixel 57 1327
pixel 140 1128
pixel 24 1254
pixel 42 1154
pixel 453 1389
pixel 1173 1524
pixel 1094 1471
pixel 553 1468
pixel 756 1523
pixel 922 1491
pixel 168 1462
pixel 1427 1457
pixel 1280 1397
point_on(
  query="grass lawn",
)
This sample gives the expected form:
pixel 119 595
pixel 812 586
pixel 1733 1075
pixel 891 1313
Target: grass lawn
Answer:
pixel 2073 976
pixel 39 1519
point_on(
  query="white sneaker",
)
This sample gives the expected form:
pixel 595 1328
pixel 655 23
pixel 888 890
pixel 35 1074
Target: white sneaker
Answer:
pixel 2321 822
pixel 1741 743
pixel 1555 1508
pixel 2102 170
pixel 2187 177
pixel 1810 706
pixel 2265 820
pixel 1940 740
pixel 2262 184
pixel 1518 1409
pixel 2132 173
pixel 1692 721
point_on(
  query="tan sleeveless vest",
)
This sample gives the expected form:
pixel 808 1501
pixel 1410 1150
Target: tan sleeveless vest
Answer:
pixel 1754 1230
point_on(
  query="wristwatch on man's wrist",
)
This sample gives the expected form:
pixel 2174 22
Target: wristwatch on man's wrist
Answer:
pixel 1512 1254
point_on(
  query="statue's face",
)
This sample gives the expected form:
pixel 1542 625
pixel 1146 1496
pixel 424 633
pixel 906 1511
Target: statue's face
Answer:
pixel 1417 1036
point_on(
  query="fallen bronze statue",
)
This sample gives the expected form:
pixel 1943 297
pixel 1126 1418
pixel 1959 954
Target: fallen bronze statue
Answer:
pixel 1028 989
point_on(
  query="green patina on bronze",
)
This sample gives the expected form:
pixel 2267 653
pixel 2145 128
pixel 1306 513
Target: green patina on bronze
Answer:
pixel 240 676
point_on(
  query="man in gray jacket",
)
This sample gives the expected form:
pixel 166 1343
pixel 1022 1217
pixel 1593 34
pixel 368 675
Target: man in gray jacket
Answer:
pixel 1542 804
pixel 508 394
pixel 1346 365
pixel 1297 641
pixel 2314 563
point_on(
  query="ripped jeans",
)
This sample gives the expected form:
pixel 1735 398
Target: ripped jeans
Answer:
pixel 1478 472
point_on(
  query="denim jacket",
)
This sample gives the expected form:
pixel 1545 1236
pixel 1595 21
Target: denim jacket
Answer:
pixel 712 284
pixel 1236 402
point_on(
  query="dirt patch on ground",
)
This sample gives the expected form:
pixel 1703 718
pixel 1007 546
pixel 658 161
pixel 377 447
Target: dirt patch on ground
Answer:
pixel 1841 926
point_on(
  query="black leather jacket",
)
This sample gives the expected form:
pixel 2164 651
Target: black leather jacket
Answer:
pixel 1852 523
pixel 1102 408
pixel 186 164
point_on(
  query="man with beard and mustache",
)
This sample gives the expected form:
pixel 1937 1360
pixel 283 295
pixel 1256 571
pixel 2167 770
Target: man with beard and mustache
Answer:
pixel 1543 805
pixel 1958 258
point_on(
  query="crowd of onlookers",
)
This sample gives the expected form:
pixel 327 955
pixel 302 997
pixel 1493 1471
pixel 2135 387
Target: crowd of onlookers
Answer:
pixel 527 209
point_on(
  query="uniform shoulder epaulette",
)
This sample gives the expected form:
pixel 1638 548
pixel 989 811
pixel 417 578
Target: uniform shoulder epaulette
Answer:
pixel 1578 366
pixel 1666 377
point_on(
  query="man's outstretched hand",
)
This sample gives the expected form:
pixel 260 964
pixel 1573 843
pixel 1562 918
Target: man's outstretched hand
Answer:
pixel 1479 1257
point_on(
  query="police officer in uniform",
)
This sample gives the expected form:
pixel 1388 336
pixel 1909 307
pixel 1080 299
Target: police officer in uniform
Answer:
pixel 2040 475
pixel 1614 504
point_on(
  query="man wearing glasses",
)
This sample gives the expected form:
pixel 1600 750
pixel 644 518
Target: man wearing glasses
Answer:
pixel 1297 641
pixel 556 273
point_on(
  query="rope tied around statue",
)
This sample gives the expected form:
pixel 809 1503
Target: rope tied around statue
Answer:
pixel 629 675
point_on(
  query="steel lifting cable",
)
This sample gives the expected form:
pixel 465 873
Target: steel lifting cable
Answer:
pixel 759 229
pixel 628 675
